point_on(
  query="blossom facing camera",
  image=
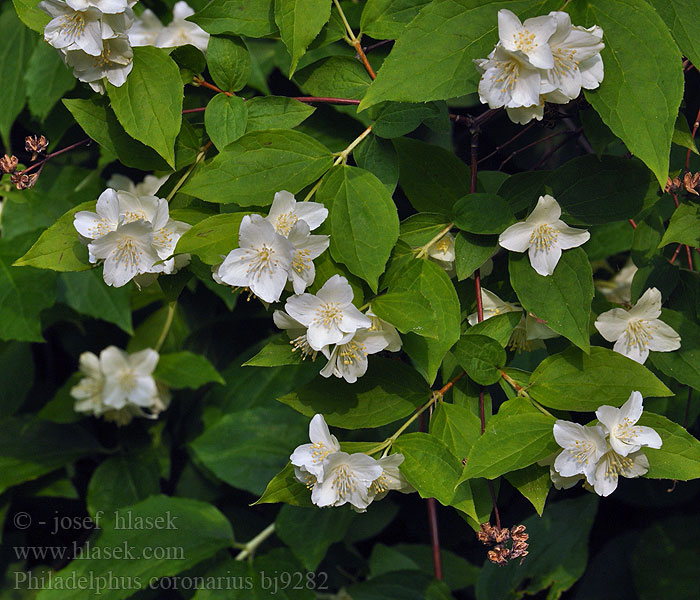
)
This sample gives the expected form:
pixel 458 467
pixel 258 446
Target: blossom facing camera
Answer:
pixel 180 32
pixel 286 212
pixel 638 330
pixel 583 447
pixel 543 235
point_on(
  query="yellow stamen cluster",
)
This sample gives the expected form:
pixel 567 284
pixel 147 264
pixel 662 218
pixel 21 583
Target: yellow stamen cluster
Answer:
pixel 544 236
pixel 639 334
pixel 285 222
pixel 328 314
pixel 525 41
pixel 72 26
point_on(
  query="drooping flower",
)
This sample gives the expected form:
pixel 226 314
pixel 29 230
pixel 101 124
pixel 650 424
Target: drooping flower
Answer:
pixel 638 330
pixel 443 252
pixel 390 479
pixel 348 358
pixel 619 288
pixel 145 30
pixel 285 212
pixel 531 37
pixel 346 479
pixel 310 457
pixel 261 263
pixel 329 315
pixel 307 247
pixel 583 447
pixel 544 235
pixel 492 305
pixel 166 234
pixel 113 63
pixel 624 436
pixel 611 465
pixel 296 332
pixel 391 335
pixel 180 32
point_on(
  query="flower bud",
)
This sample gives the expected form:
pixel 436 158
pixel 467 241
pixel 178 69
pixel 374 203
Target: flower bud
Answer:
pixel 8 164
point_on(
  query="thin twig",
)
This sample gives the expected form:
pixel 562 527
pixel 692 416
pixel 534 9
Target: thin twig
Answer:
pixel 57 153
pixel 507 143
pixel 530 145
pixel 556 148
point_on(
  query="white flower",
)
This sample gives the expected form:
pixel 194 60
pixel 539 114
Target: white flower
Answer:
pixel 88 391
pixel 560 482
pixel 390 479
pixel 148 187
pixel 611 465
pixel 329 315
pixel 638 330
pixel 443 251
pixel 166 234
pixel 105 6
pixel 285 212
pixel 346 479
pixel 180 32
pixel 310 457
pixel 623 435
pixel 391 335
pixel 145 29
pixel 70 29
pixel 307 247
pixel 262 262
pixel 544 235
pixel 114 63
pixel 296 332
pixel 530 37
pixel 575 50
pixel 128 251
pixel 128 377
pixel 583 447
pixel 93 225
pixel 348 358
pixel 492 305
pixel 619 288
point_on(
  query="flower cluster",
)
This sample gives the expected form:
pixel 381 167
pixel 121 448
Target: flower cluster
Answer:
pixel 603 452
pixel 336 477
pixel 90 36
pixel 638 330
pixel 119 386
pixel 149 31
pixel 133 234
pixel 544 59
pixel 543 235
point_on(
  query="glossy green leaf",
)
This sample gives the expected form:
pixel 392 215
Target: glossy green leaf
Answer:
pixel 679 16
pixel 16 377
pixel 275 353
pixel 408 312
pixel 253 168
pixel 422 228
pixel 47 79
pixel 225 119
pixel 228 60
pixel 186 370
pixel 456 426
pixel 387 19
pixel 472 251
pixel 240 17
pixel 481 357
pixel 534 483
pixel 679 455
pixel 499 327
pixel 390 390
pixel 379 157
pixel 285 487
pixel 482 213
pixel 337 76
pixel 574 380
pixel 683 364
pixel 299 22
pixel 562 300
pixel 31 15
pixel 363 222
pixel 213 238
pixel 149 104
pixel 684 227
pixel 395 119
pixel 276 112
pixel 682 136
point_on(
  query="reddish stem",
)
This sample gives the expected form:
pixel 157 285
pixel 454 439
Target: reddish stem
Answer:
pixel 692 135
pixel 57 153
pixel 633 223
pixel 187 111
pixel 363 58
pixel 315 99
pixel 675 254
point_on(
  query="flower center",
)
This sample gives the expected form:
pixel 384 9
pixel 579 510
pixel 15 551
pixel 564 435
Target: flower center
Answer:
pixel 518 340
pixel 285 222
pixel 163 237
pixel 319 451
pixel 100 228
pixel 617 465
pixel 263 259
pixel 509 72
pixel 344 481
pixel 525 41
pixel 625 431
pixel 126 379
pixel 127 252
pixel 352 352
pixel 544 237
pixel 380 485
pixel 564 60
pixel 639 333
pixel 302 344
pixel 328 314
pixel 103 59
pixel 309 480
pixel 72 26
pixel 300 262
pixel 581 450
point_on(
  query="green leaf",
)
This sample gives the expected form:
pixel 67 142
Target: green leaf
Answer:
pixel 25 293
pixel 395 119
pixel 432 178
pixel 574 380
pixel 285 487
pixel 246 448
pixel 378 156
pixel 483 213
pixel 679 455
pixel 212 238
pixel 456 426
pixel 499 327
pixel 18 43
pixel 387 19
pixel 299 22
pixel 30 448
pixel 225 119
pixel 682 136
pixel 47 79
pixel 240 17
pixel 122 480
pixel 186 370
pixel 510 442
pixel 253 168
pixel 363 222
pixel 641 93
pixel 472 251
pixel 59 247
pixel 228 60
pixel 32 16
pixel 309 532
pixel 16 377
pixel 601 190
pixel 276 353
pixel 88 294
pixel 683 364
pixel 184 531
pixel 100 123
pixel 562 300
pixel 149 104
pixel 533 482
pixel 679 17
pixel 408 312
pixel 422 228
pixel 481 357
pixel 276 112
pixel 684 227
pixel 337 76
pixel 432 282
pixel 326 267
pixel 390 390
pixel 432 59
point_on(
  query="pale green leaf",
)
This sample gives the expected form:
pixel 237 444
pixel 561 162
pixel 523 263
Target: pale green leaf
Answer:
pixel 186 370
pixel 684 227
pixel 240 17
pixel 225 119
pixel 299 22
pixel 228 60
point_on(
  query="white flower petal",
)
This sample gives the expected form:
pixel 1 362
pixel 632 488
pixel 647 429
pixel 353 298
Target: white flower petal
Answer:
pixel 543 260
pixel 517 237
